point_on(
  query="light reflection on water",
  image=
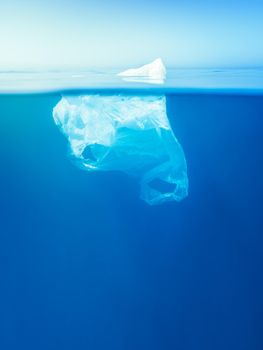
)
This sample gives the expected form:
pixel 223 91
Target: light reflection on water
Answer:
pixel 178 80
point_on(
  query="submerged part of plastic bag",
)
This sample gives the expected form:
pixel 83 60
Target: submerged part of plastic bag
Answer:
pixel 126 133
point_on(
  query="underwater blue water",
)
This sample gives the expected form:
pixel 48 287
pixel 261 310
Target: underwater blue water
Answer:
pixel 86 264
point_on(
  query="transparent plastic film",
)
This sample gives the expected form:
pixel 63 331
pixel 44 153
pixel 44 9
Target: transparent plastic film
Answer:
pixel 128 133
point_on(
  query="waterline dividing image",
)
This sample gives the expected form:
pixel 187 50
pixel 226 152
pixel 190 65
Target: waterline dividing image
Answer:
pixel 131 149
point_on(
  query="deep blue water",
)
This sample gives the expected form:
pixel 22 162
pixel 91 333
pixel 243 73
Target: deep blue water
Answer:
pixel 85 264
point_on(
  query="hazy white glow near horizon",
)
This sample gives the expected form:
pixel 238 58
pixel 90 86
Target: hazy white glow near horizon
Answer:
pixel 114 33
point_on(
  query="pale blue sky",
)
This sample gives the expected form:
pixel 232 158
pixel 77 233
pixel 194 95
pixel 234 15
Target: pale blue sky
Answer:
pixel 124 33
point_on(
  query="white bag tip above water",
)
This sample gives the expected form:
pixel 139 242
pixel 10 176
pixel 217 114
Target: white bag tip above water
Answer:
pixel 153 70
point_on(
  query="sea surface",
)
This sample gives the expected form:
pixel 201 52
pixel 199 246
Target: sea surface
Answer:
pixel 86 264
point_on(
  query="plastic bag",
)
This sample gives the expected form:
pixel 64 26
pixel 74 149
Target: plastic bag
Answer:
pixel 126 133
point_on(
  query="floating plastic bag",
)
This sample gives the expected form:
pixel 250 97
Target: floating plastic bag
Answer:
pixel 126 133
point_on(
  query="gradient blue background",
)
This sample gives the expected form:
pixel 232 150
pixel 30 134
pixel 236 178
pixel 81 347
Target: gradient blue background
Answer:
pixel 85 264
pixel 121 33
